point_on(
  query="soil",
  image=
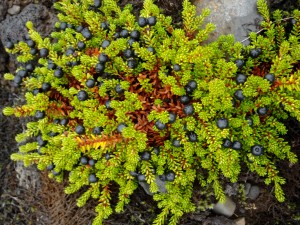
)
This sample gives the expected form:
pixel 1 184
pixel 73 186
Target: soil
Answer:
pixel 42 200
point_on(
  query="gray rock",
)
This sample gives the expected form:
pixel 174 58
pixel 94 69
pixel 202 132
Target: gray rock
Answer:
pixel 3 9
pixel 219 220
pixel 237 17
pixel 227 208
pixel 13 27
pixel 253 192
pixel 15 9
pixel 247 188
pixel 161 186
pixel 240 221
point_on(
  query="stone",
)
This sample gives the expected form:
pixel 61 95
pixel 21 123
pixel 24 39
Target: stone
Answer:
pixel 161 186
pixel 247 188
pixel 240 221
pixel 219 220
pixel 15 9
pixel 227 208
pixel 237 17
pixel 253 192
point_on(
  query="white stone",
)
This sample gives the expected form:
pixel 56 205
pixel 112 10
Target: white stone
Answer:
pixel 227 208
pixel 240 221
pixel 15 9
pixel 237 17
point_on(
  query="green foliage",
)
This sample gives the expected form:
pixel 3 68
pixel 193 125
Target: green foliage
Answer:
pixel 133 93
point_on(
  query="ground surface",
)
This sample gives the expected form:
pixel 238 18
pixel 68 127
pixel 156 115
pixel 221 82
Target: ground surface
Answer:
pixel 41 201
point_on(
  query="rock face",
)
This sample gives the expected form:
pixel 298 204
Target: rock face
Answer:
pixel 237 17
pixel 13 27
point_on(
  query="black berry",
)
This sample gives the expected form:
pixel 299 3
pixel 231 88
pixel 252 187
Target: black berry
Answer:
pixel 151 49
pixel 40 141
pixel 131 41
pixel 192 136
pixel 39 114
pixel 56 121
pixel 227 143
pixel 152 20
pixel 239 95
pixel 170 176
pixel 222 123
pixel 103 58
pixel 236 145
pixel 70 51
pixel 105 44
pixel 99 67
pixel 176 67
pixel 63 25
pixel 176 143
pixel 254 53
pixel 128 53
pixel 90 83
pixel 132 63
pixel 92 178
pixel 22 73
pixel 135 34
pixel 92 162
pixel 35 91
pixel 9 45
pixel 159 125
pixel 257 150
pixel 107 104
pixel 50 167
pixel 86 33
pixel 17 79
pixel 192 84
pixel 185 99
pixel 58 73
pixel 241 78
pixel 239 63
pixel 97 130
pixel 29 67
pixel 44 52
pixel 80 129
pixel 30 43
pixel 172 117
pixel 82 95
pixel 97 3
pixel 262 111
pixel 250 121
pixel 84 160
pixel 121 126
pixel 46 87
pixel 141 177
pixel 145 155
pixel 188 109
pixel 142 21
pixel 64 121
pixel 107 156
pixel 124 33
pixel 119 89
pixel 104 25
pixel 156 150
pixel 33 51
pixel 81 45
pixel 270 77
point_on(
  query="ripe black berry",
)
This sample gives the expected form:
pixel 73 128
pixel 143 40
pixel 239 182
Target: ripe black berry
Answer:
pixel 40 141
pixel 133 173
pixel 156 150
pixel 86 33
pixel 270 77
pixel 254 53
pixel 131 41
pixel 50 167
pixel 84 160
pixel 222 123
pixel 82 95
pixel 44 52
pixel 119 89
pixel 63 25
pixel 107 156
pixel 176 67
pixel 107 104
pixel 103 58
pixel 93 178
pixel 51 65
pixel 239 63
pixel 159 125
pixel 241 78
pixel 97 3
pixel 145 155
pixel 64 121
pixel 79 28
pixel 92 162
pixel 239 95
pixel 188 109
pixel 250 121
pixel 124 33
pixel 170 176
pixel 99 67
pixel 81 45
pixel 192 84
pixel 55 173
pixel 152 20
pixel 29 67
pixel 185 99
pixel 104 25
pixel 262 111
pixel 39 114
pixel 257 150
pixel 9 45
pixel 151 49
pixel 128 53
pixel 35 91
pixel 70 51
pixel 80 129
pixel 90 83
pixel 97 130
pixel 22 73
pixel 33 51
pixel 121 126
pixel 46 87
pixel 172 117
pixel 30 43
pixel 105 44
pixel 135 34
pixel 226 143
pixel 176 143
pixel 142 21
pixel 56 121
pixel 58 73
pixel 192 136
pixel 132 63
pixel 236 145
